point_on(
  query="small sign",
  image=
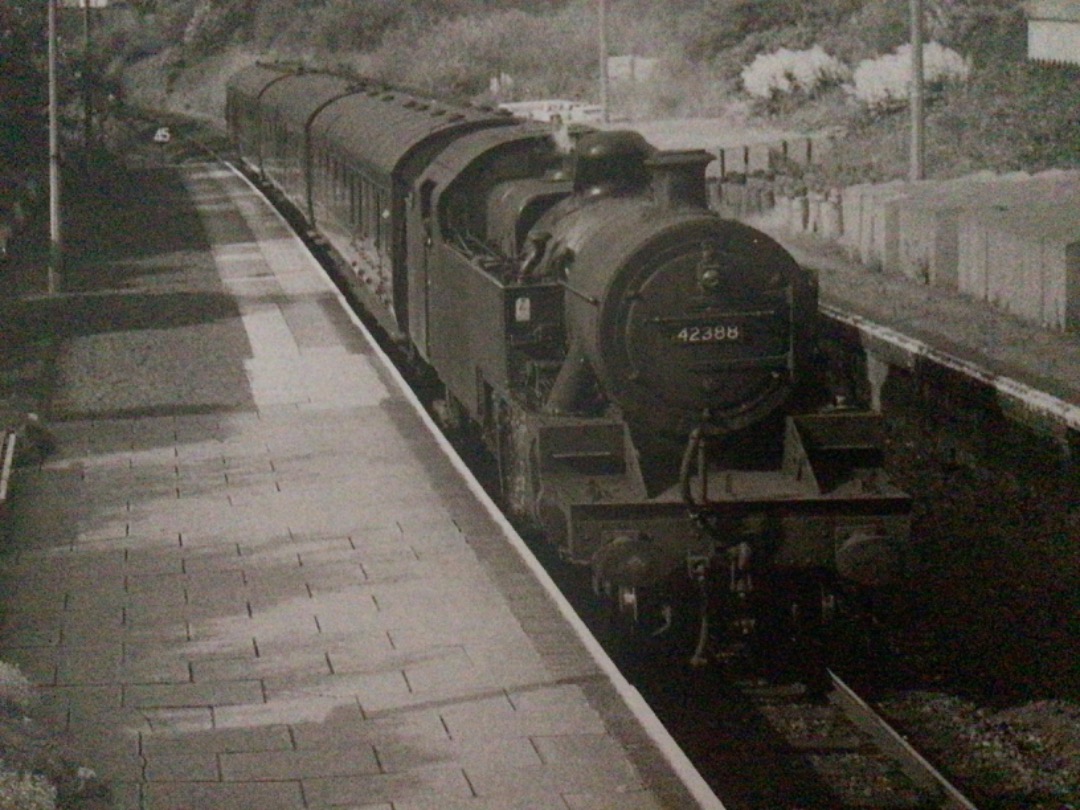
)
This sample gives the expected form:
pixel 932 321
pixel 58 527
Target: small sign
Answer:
pixel 162 135
pixel 522 310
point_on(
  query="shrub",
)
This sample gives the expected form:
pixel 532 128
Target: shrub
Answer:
pixel 341 25
pixel 552 55
pixel 722 24
pixel 985 30
pixel 877 27
pixel 716 26
pixel 1014 116
pixel 15 689
pixel 25 791
pixel 214 23
pixel 884 83
pixel 785 71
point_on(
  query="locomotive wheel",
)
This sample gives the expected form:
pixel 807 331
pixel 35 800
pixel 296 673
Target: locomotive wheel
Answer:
pixel 449 412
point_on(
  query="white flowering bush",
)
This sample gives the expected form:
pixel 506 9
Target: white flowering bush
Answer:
pixel 15 689
pixel 786 71
pixel 884 83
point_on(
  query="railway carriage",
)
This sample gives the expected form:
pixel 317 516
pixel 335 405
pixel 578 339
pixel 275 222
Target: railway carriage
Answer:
pixel 643 371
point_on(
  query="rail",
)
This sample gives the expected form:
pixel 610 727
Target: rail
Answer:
pixel 918 770
pixel 7 463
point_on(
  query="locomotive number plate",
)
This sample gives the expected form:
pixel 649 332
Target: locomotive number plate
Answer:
pixel 709 333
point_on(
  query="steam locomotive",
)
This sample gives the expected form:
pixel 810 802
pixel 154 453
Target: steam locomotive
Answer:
pixel 643 371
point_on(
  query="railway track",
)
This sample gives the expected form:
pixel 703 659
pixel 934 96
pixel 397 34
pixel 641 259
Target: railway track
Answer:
pixel 778 747
pixel 771 742
pixel 940 792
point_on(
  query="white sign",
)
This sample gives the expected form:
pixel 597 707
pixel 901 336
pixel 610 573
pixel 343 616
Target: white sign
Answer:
pixel 547 109
pixel 522 310
pixel 631 68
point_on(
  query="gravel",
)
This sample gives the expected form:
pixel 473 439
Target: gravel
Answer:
pixel 1026 756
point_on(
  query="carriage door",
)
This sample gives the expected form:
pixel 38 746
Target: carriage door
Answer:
pixel 419 241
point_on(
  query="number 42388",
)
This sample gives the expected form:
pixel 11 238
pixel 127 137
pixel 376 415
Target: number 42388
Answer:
pixel 708 334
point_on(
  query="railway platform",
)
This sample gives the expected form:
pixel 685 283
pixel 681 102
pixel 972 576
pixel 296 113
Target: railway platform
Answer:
pixel 250 576
pixel 1029 373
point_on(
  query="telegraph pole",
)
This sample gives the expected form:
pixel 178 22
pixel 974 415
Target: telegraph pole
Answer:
pixel 916 170
pixel 55 245
pixel 603 61
pixel 87 82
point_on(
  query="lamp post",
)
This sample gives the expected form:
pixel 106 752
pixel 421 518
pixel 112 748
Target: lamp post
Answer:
pixel 56 251
pixel 916 170
pixel 86 80
pixel 603 61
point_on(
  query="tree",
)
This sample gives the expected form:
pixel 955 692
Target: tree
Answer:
pixel 23 81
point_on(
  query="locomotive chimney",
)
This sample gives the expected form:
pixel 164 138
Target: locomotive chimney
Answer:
pixel 678 177
pixel 611 161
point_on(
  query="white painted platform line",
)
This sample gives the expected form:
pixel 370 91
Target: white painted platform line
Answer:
pixel 676 758
pixel 1038 402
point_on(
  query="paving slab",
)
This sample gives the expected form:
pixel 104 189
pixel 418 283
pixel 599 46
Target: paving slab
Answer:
pixel 250 577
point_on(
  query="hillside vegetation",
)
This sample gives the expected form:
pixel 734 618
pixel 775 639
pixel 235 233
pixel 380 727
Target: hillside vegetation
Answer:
pixel 1004 114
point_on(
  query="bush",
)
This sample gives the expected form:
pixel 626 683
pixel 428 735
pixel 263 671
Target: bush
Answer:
pixel 877 27
pixel 25 791
pixel 551 55
pixel 786 71
pixel 213 24
pixel 722 24
pixel 883 84
pixel 725 23
pixel 15 689
pixel 341 25
pixel 986 30
pixel 1018 116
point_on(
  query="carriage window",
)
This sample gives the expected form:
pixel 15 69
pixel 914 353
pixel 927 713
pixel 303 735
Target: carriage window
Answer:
pixel 358 217
pixel 369 209
pixel 380 227
pixel 427 191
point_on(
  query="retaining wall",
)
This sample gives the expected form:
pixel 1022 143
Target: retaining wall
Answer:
pixel 1024 260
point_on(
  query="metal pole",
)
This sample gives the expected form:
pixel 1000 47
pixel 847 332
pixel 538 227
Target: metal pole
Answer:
pixel 916 169
pixel 55 246
pixel 86 80
pixel 603 61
